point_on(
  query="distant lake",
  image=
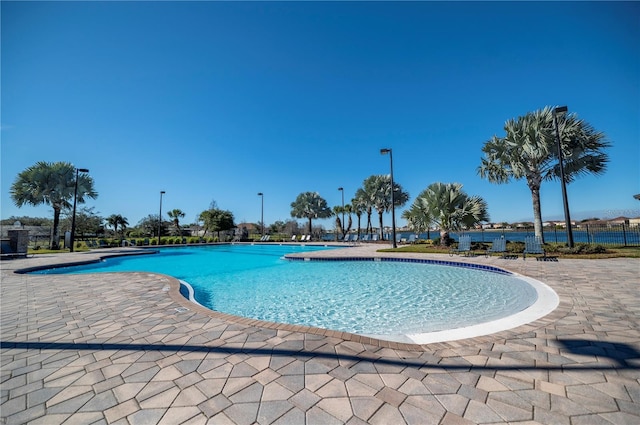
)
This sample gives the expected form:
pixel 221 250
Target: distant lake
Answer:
pixel 599 235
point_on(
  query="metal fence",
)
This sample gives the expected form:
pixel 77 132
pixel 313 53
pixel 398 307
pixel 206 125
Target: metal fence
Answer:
pixel 602 234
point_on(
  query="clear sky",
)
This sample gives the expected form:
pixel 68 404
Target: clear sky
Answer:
pixel 222 100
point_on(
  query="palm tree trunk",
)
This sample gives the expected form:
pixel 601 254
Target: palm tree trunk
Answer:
pixel 309 225
pixel 444 237
pixel 537 213
pixel 55 238
pixel 381 228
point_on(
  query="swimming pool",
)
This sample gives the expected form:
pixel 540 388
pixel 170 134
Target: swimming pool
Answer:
pixel 400 301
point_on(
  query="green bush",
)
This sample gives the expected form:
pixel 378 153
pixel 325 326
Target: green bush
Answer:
pixel 515 247
pixel 584 248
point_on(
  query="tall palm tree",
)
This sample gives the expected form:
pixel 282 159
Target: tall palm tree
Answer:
pixel 358 208
pixel 310 205
pixel 529 151
pixel 176 215
pixel 449 207
pixel 364 200
pixel 337 210
pixel 51 183
pixel 382 197
pixel 115 220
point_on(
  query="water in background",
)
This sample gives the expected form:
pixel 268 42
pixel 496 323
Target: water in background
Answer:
pixel 626 236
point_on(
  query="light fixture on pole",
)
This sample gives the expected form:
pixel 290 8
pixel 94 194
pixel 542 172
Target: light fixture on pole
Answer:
pixel 261 195
pixel 73 215
pixel 162 192
pixel 393 197
pixel 567 217
pixel 341 189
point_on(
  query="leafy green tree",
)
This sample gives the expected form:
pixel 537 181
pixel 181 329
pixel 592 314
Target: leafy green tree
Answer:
pixel 88 222
pixel 176 215
pixel 381 201
pixel 217 220
pixel 51 183
pixel 310 205
pixel 27 221
pixel 529 151
pixel 115 220
pixel 148 226
pixel 277 227
pixel 449 207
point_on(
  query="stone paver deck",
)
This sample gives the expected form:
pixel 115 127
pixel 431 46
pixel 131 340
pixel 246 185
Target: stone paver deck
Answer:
pixel 127 348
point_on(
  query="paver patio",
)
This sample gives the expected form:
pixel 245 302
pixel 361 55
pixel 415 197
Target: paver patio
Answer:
pixel 127 348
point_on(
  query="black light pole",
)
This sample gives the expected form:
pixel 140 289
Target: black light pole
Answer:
pixel 261 195
pixel 341 189
pixel 73 216
pixel 162 192
pixel 567 217
pixel 393 198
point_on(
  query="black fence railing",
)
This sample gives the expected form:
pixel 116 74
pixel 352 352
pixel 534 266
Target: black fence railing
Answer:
pixel 622 234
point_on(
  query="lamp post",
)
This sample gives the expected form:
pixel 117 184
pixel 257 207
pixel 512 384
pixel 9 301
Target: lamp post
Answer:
pixel 261 195
pixel 73 215
pixel 393 197
pixel 162 192
pixel 567 217
pixel 341 189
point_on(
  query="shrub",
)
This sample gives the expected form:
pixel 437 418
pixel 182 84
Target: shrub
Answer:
pixel 515 247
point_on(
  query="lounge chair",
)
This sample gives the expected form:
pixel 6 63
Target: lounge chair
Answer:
pixel 354 238
pixel 374 237
pixel 533 245
pixel 464 245
pixel 366 238
pixel 499 246
pixel 412 239
pixel 293 238
pixel 308 238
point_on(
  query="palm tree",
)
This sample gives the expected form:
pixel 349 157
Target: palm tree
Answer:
pixel 419 217
pixel 449 207
pixel 529 151
pixel 382 196
pixel 310 205
pixel 51 183
pixel 115 220
pixel 176 215
pixel 336 212
pixel 358 209
pixel 364 200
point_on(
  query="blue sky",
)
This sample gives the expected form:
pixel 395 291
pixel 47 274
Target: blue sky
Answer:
pixel 222 100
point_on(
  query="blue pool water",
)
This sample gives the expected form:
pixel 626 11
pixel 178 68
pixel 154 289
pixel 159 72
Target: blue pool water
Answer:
pixel 363 297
